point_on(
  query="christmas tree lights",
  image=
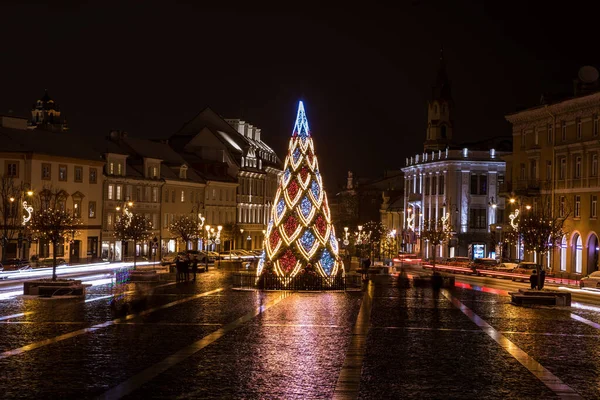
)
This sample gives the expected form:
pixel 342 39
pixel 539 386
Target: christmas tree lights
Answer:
pixel 300 235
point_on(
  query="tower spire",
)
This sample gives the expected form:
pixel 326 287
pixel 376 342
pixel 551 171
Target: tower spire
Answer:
pixel 439 113
pixel 441 88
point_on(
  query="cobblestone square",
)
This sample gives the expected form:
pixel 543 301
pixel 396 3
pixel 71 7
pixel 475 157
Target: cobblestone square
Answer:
pixel 207 340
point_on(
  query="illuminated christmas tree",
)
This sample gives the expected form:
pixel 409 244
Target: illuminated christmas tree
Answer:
pixel 300 236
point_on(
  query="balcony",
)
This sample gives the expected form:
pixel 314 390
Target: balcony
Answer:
pixel 528 186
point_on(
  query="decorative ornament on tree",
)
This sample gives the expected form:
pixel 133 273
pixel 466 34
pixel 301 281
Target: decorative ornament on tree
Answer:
pixel 300 235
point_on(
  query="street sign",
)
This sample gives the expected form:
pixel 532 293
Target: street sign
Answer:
pixel 217 241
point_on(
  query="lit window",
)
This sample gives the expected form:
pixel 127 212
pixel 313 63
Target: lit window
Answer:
pixel 563 254
pixel 93 175
pixel 111 189
pixel 182 196
pixel 78 174
pixel 62 173
pixel 594 206
pixel 577 206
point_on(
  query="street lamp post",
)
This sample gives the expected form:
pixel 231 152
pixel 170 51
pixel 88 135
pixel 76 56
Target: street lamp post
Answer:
pixel 28 210
pixel 242 239
pixel 218 242
pixel 213 237
pixel 207 227
pixel 154 248
pixel 393 234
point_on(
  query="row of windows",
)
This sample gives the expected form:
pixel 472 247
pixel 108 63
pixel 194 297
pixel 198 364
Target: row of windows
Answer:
pixel 142 193
pixel 212 218
pixel 435 183
pixel 11 169
pixel 77 207
pixel 112 217
pixel 252 215
pixel 579 132
pixel 576 170
pixel 250 186
pixel 577 209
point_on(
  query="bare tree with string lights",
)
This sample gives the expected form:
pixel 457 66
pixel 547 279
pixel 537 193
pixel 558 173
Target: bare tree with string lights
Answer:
pixel 436 232
pixel 134 227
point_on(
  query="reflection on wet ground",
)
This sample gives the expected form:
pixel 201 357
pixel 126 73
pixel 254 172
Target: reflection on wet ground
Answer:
pixel 204 339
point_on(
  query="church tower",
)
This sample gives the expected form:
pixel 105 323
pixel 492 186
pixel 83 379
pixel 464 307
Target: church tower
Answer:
pixel 45 115
pixel 439 112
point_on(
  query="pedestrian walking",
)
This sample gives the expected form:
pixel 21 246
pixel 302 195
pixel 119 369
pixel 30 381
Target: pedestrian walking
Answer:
pixel 195 267
pixel 179 269
pixel 533 279
pixel 187 267
pixel 542 278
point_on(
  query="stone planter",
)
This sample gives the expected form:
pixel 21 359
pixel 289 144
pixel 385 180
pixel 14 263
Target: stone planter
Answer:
pixel 50 288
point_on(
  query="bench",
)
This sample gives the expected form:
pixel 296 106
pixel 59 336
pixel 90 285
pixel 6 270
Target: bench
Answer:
pixel 542 297
pixel 74 290
pixel 528 299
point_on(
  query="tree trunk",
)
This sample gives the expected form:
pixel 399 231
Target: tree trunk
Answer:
pixel 134 254
pixel 54 248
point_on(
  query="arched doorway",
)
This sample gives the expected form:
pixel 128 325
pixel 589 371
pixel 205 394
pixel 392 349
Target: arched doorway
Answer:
pixel 592 253
pixel 577 245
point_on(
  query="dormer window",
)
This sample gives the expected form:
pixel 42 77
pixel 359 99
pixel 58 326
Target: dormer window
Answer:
pixel 119 169
pixel 153 172
pixel 111 168
pixel 183 172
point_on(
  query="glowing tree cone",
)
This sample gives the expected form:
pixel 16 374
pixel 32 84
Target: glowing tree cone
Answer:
pixel 300 236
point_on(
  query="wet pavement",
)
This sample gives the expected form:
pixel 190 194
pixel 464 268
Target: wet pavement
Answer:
pixel 207 340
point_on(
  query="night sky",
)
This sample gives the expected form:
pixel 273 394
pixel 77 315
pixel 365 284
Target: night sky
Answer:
pixel 365 74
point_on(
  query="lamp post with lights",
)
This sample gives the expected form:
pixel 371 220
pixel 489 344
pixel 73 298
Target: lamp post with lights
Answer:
pixel 514 218
pixel 10 210
pixel 213 237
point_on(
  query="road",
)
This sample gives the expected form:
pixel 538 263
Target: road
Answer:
pixel 587 296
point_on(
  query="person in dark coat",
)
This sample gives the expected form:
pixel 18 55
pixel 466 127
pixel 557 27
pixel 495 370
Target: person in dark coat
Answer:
pixel 179 268
pixel 542 278
pixel 187 266
pixel 194 267
pixel 533 279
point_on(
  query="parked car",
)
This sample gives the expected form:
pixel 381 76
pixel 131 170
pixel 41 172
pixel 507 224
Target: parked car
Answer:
pixel 459 261
pixel 526 268
pixel 14 264
pixel 169 258
pixel 592 280
pixel 49 262
pixel 485 263
pixel 506 267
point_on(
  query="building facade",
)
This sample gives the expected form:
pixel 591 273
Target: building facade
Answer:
pixel 456 182
pixel 555 165
pixel 48 161
pixel 230 154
